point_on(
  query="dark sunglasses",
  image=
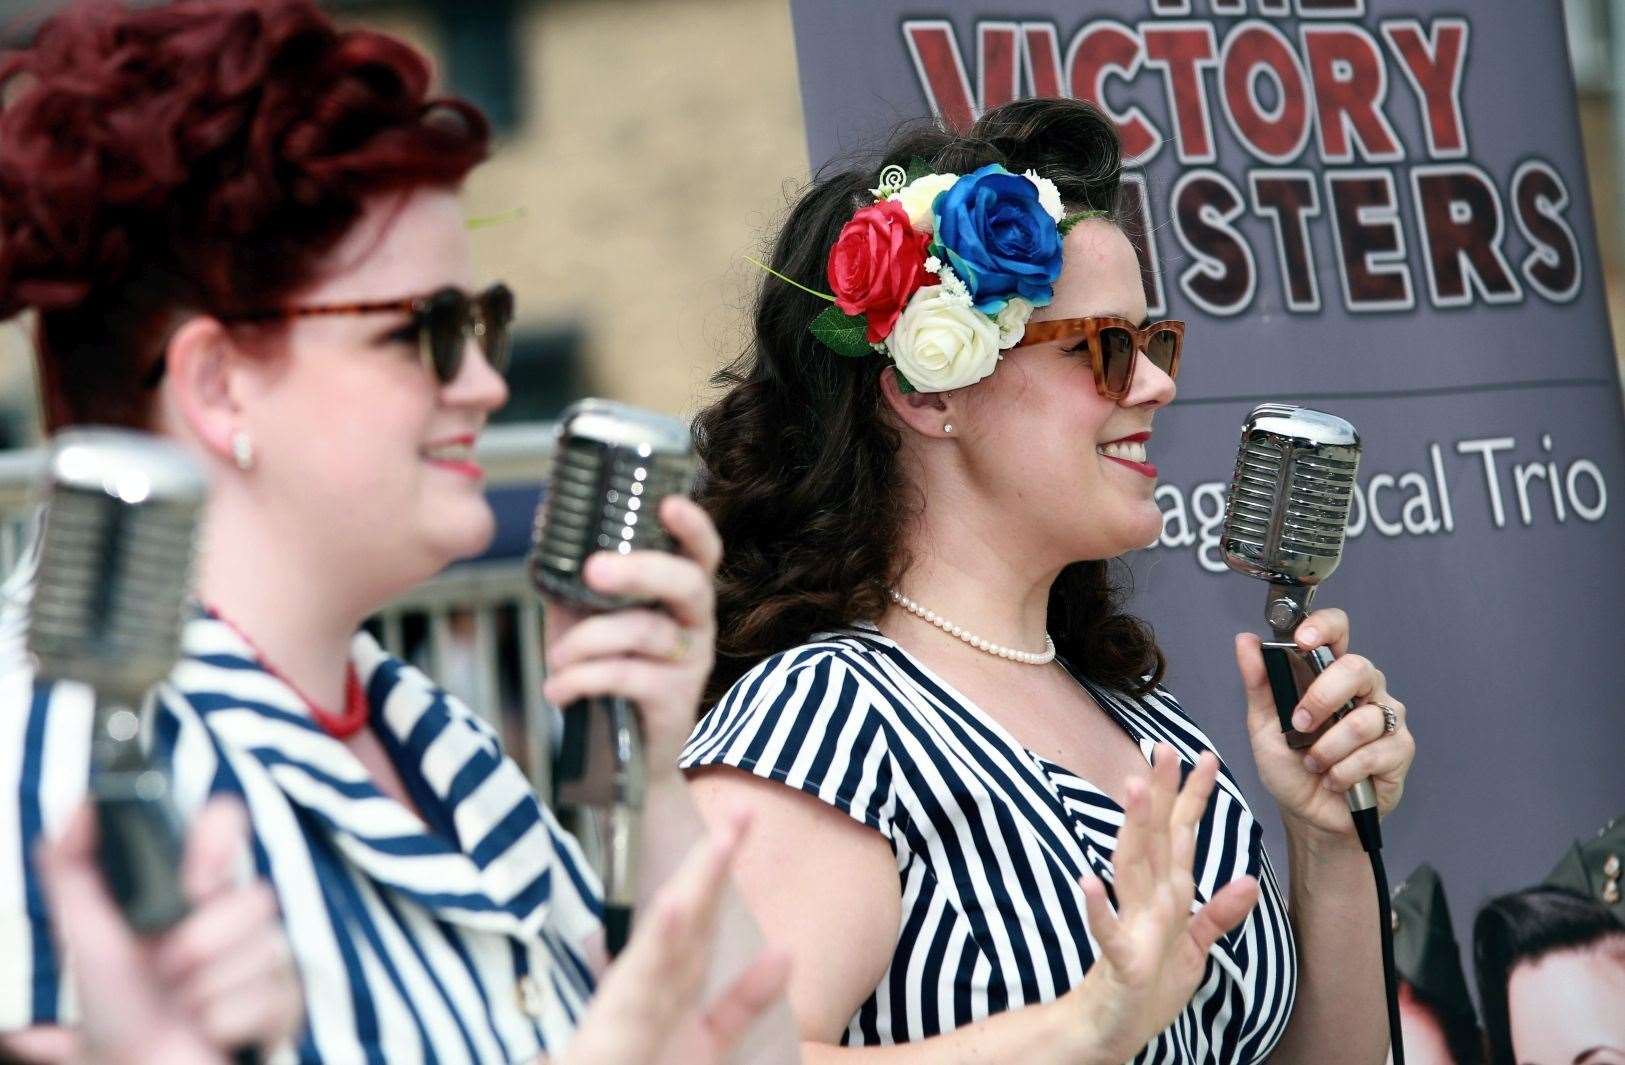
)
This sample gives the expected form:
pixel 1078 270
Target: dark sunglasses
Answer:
pixel 444 322
pixel 1112 343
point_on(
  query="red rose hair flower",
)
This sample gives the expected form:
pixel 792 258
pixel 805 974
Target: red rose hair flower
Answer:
pixel 877 263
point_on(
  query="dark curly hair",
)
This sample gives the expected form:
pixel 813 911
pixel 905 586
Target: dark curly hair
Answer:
pixel 1525 926
pixel 802 471
pixel 194 156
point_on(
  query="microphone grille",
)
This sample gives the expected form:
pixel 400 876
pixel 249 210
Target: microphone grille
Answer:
pixel 612 466
pixel 115 558
pixel 1289 499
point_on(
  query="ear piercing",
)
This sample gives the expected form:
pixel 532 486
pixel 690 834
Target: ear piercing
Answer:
pixel 242 450
pixel 947 427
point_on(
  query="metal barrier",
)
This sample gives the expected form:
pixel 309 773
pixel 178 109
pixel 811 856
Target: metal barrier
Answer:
pixel 476 628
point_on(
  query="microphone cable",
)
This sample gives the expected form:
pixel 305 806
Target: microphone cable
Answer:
pixel 1368 827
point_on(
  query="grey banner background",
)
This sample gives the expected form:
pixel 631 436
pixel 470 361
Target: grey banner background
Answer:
pixel 1505 643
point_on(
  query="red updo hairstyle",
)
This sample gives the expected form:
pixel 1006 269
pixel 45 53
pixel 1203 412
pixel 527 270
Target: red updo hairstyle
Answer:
pixel 199 156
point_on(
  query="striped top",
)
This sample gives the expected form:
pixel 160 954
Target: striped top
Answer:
pixel 463 939
pixel 990 841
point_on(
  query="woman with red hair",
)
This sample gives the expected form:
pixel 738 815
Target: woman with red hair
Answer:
pixel 238 227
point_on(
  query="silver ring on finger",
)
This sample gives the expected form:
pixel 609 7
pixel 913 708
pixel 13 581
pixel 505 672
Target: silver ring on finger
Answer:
pixel 1390 718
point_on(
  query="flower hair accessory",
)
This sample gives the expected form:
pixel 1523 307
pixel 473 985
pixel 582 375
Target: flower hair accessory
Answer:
pixel 942 271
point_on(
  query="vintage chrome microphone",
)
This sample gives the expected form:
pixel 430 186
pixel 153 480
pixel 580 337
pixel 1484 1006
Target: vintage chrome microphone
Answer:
pixel 612 466
pixel 1284 523
pixel 114 570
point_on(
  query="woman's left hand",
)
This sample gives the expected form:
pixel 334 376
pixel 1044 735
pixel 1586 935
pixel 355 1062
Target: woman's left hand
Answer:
pixel 659 657
pixel 1310 784
pixel 221 979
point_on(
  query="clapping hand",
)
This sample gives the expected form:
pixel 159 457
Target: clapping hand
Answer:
pixel 1153 950
pixel 651 1006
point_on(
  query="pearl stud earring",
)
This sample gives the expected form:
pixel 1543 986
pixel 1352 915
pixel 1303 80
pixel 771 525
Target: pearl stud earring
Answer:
pixel 242 450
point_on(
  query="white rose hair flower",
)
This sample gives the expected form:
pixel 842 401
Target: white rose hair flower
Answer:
pixel 918 196
pixel 941 342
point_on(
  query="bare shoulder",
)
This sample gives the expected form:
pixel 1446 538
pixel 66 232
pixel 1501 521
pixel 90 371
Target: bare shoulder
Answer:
pixel 822 885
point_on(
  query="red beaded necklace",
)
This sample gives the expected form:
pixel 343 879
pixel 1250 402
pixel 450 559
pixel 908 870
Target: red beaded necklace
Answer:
pixel 341 725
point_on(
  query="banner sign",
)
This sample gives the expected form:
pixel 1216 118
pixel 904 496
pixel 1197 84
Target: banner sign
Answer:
pixel 1377 208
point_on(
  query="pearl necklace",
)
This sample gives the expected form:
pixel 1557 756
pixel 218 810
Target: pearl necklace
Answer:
pixel 1029 658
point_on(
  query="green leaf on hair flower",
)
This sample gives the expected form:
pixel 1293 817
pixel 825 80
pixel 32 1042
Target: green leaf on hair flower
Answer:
pixel 485 221
pixel 1067 222
pixel 903 384
pixel 918 167
pixel 844 334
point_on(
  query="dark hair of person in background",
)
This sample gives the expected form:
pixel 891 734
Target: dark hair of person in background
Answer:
pixel 803 477
pixel 219 148
pixel 1461 1032
pixel 1524 926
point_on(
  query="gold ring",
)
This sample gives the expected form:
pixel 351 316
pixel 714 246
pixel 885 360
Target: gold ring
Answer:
pixel 1390 718
pixel 684 643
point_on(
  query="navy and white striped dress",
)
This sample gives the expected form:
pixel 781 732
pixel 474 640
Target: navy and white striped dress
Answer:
pixel 990 842
pixel 463 939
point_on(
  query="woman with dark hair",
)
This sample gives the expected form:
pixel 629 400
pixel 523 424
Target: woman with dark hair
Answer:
pixel 238 227
pixel 1551 979
pixel 928 692
pixel 1435 1008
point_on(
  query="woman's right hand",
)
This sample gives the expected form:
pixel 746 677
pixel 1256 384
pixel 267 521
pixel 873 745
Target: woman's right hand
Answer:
pixel 1153 950
pixel 650 1006
pixel 658 657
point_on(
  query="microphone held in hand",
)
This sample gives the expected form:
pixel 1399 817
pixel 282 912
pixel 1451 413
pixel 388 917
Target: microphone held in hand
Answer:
pixel 115 565
pixel 612 466
pixel 1284 523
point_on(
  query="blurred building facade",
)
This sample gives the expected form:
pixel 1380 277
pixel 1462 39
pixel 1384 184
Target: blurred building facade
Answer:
pixel 646 146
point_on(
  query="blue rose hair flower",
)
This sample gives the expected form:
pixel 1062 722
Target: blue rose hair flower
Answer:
pixel 996 234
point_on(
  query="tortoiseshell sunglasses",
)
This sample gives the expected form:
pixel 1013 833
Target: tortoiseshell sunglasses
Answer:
pixel 444 321
pixel 1111 343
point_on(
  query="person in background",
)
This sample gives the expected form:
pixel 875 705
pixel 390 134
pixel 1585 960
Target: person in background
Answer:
pixel 1550 962
pixel 238 226
pixel 1435 1008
